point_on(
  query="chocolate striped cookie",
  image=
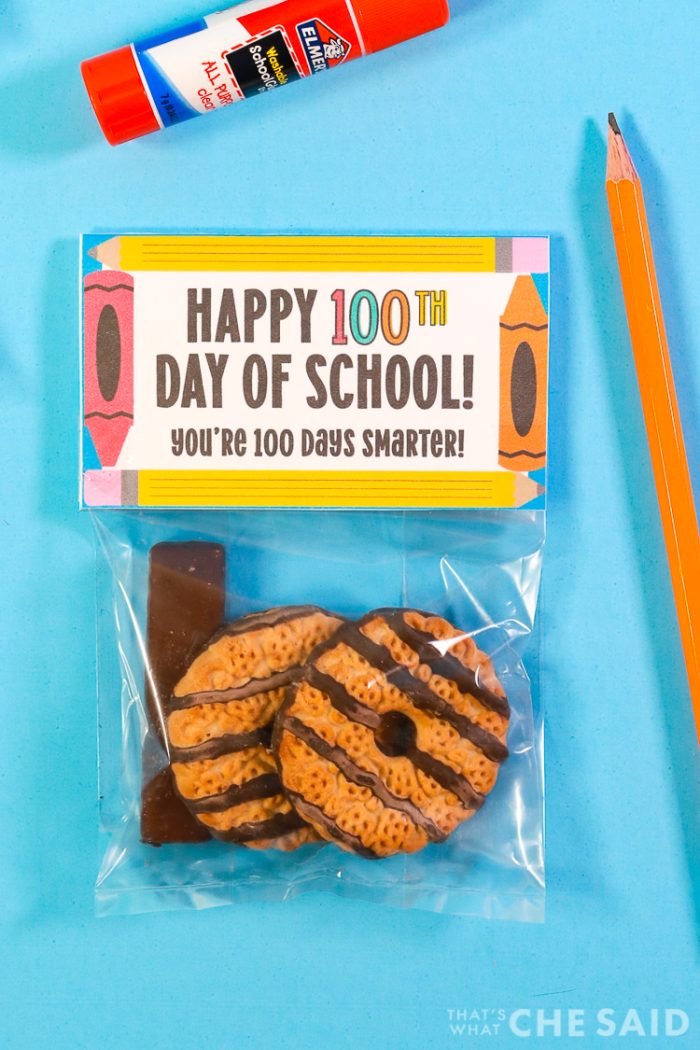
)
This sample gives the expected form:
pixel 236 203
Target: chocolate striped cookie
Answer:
pixel 394 735
pixel 219 726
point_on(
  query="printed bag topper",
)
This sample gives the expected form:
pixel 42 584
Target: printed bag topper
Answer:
pixel 314 371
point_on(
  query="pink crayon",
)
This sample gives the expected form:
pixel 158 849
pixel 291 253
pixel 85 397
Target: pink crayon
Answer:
pixel 109 361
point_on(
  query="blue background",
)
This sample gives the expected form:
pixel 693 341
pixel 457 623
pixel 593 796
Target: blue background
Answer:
pixel 493 125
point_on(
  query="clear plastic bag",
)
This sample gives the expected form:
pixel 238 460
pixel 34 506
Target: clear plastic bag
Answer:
pixel 480 570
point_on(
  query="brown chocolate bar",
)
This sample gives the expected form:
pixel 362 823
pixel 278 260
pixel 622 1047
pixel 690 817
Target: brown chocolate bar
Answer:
pixel 186 597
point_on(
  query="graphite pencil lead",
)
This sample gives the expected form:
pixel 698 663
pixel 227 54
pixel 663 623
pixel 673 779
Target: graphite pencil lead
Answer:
pixel 620 163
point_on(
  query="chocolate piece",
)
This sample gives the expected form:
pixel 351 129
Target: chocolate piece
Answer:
pixel 186 597
pixel 164 817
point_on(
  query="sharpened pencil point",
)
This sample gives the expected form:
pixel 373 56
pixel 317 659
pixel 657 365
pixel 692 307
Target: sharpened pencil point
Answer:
pixel 92 252
pixel 620 163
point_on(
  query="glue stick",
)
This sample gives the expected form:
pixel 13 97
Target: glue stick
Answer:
pixel 247 50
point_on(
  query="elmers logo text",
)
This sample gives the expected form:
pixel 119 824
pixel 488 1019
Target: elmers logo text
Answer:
pixel 324 49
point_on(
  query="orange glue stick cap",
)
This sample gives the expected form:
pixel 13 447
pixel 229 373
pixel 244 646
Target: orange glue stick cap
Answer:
pixel 118 96
pixel 384 23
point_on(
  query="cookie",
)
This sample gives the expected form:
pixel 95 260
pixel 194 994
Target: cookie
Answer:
pixel 219 726
pixel 394 735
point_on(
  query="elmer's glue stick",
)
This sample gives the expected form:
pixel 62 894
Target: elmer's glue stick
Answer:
pixel 244 51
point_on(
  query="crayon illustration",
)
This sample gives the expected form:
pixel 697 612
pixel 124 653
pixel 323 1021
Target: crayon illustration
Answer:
pixel 522 443
pixel 109 361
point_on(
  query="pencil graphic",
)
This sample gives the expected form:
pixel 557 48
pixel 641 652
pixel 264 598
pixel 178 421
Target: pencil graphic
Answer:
pixel 325 254
pixel 301 488
pixel 522 443
pixel 109 361
pixel 658 396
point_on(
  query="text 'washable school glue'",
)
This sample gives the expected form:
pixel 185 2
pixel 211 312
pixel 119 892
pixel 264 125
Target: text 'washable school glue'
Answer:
pixel 244 51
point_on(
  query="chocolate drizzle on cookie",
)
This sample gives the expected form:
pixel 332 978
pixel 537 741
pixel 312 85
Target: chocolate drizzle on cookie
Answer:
pixel 421 695
pixel 271 618
pixel 265 786
pixel 320 818
pixel 219 746
pixel 480 721
pixel 444 663
pixel 219 723
pixel 442 774
pixel 365 779
pixel 241 692
pixel 256 831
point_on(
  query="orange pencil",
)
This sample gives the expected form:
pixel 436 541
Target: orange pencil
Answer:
pixel 658 394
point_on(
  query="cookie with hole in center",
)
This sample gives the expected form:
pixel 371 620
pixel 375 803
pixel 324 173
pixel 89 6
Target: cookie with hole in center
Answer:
pixel 394 735
pixel 219 726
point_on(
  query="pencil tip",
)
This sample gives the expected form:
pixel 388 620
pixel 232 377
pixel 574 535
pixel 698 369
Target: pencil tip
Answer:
pixel 620 164
pixel 92 252
pixel 540 490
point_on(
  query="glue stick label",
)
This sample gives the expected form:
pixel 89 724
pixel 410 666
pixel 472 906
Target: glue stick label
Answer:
pixel 245 51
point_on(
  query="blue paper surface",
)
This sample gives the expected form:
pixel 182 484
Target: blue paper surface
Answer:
pixel 494 124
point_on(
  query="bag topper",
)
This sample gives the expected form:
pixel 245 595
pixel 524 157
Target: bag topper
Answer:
pixel 225 371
